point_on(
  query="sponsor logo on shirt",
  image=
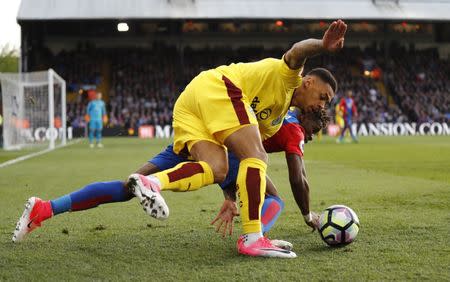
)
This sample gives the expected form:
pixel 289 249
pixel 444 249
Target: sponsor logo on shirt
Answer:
pixel 264 114
pixel 255 103
pixel 277 121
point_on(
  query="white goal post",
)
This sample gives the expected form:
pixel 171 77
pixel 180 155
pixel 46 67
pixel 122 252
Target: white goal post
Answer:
pixel 34 109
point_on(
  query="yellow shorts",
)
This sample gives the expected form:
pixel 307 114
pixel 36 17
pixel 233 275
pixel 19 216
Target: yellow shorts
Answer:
pixel 210 106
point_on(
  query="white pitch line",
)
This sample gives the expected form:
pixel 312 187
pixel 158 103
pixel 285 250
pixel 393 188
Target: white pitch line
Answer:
pixel 32 155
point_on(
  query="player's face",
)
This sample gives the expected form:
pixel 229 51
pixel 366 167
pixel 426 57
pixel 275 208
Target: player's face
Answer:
pixel 313 93
pixel 99 96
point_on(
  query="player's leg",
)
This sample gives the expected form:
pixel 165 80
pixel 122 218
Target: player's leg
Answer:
pixel 186 176
pixel 90 196
pixel 272 206
pixel 210 166
pixel 164 160
pixel 270 212
pixel 341 138
pixel 147 169
pixel 91 128
pixel 246 144
pixel 352 134
pixel 191 136
pixel 98 135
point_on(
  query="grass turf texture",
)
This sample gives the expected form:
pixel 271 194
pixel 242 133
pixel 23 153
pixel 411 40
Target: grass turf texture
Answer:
pixel 399 187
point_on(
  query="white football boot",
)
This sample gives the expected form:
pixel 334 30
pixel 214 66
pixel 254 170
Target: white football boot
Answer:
pixel 148 193
pixel 285 245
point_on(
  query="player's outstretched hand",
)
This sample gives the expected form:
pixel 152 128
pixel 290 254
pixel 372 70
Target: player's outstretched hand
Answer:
pixel 333 39
pixel 312 221
pixel 225 218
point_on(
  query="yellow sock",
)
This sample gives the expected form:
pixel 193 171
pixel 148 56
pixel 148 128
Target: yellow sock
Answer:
pixel 186 176
pixel 251 187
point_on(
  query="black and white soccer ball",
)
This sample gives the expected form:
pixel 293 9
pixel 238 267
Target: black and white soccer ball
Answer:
pixel 338 225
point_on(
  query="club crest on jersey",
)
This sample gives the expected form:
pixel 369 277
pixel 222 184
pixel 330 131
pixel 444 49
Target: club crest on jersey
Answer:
pixel 277 121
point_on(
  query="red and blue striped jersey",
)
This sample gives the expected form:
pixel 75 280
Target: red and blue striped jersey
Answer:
pixel 290 138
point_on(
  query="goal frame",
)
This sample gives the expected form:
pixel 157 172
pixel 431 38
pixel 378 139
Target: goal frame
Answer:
pixel 21 83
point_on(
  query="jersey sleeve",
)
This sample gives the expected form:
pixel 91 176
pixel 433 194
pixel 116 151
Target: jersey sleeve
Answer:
pixel 103 109
pixel 291 139
pixel 88 110
pixel 342 103
pixel 271 68
pixel 354 110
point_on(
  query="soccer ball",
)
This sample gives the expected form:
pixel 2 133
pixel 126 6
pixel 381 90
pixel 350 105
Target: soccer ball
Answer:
pixel 338 225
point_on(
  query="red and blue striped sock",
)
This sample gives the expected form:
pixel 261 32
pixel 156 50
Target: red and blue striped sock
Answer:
pixel 91 196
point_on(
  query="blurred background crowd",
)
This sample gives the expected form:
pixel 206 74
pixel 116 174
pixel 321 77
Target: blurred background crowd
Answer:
pixel 408 86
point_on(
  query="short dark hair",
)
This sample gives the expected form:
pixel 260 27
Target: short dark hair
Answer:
pixel 318 115
pixel 326 76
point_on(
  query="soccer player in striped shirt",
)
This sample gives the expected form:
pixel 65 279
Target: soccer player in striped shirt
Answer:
pixel 290 138
pixel 236 107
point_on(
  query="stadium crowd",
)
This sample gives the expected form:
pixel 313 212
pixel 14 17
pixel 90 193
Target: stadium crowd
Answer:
pixel 146 82
pixel 420 84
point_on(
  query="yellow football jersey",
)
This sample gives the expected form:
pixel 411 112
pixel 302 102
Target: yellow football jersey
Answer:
pixel 268 86
pixel 339 116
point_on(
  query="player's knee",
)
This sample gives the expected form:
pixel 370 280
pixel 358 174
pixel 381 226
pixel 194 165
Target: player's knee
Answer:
pixel 261 155
pixel 219 170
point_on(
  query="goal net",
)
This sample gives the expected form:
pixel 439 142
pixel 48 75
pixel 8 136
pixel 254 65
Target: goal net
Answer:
pixel 34 109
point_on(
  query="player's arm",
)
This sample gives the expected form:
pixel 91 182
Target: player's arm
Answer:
pixel 355 111
pixel 300 187
pixel 229 192
pixel 104 115
pixel 333 40
pixel 88 109
pixel 270 187
pixel 228 211
pixel 87 116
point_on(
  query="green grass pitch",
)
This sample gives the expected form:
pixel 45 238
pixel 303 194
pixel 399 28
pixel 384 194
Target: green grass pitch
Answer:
pixel 399 187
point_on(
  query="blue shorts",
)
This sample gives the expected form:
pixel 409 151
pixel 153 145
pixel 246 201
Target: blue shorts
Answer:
pixel 95 124
pixel 168 159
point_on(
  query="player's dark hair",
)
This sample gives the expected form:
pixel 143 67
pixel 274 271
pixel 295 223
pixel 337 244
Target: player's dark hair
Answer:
pixel 319 115
pixel 326 76
pixel 323 117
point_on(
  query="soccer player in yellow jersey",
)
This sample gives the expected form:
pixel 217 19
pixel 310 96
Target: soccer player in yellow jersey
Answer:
pixel 235 107
pixel 339 117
